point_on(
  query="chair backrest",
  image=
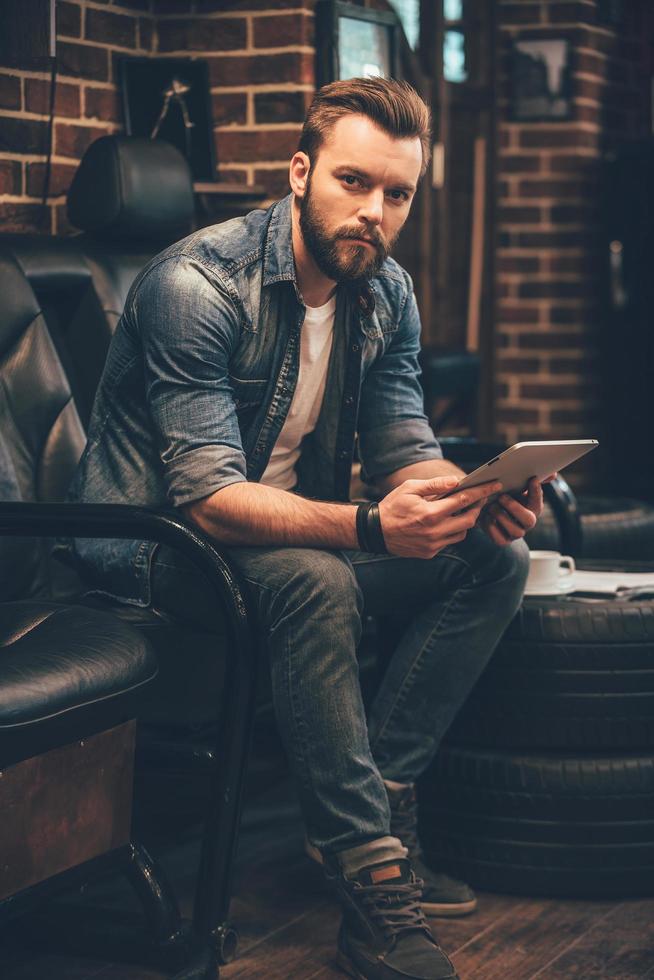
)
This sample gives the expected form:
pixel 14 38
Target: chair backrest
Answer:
pixel 41 435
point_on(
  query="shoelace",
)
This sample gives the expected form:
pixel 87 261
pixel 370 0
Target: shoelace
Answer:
pixel 395 908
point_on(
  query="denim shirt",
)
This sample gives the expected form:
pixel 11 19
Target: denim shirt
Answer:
pixel 201 373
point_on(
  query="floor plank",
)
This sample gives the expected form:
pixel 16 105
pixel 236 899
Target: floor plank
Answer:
pixel 533 933
pixel 288 922
pixel 621 945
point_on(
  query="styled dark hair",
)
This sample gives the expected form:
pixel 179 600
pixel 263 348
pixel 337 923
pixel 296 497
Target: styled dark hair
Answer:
pixel 394 106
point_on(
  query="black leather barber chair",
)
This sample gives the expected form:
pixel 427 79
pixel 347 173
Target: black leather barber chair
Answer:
pixel 85 682
pixel 131 198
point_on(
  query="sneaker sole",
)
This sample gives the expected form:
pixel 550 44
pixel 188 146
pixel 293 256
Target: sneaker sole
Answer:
pixel 449 911
pixel 442 910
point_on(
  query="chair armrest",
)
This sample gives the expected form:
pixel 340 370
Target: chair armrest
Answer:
pixel 558 493
pixel 124 521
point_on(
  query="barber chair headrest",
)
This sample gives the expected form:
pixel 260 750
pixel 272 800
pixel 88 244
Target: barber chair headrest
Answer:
pixel 128 187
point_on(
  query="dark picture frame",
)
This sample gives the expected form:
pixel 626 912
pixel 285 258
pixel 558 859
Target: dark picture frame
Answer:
pixel 183 118
pixel 355 41
pixel 541 89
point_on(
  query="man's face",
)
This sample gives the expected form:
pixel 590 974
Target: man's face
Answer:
pixel 357 197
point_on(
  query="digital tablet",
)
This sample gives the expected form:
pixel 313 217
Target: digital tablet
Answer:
pixel 515 466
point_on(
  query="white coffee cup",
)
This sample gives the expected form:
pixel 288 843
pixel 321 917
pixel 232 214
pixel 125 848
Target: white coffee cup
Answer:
pixel 549 571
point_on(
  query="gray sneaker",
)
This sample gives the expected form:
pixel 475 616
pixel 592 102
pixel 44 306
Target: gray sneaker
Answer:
pixel 384 934
pixel 441 894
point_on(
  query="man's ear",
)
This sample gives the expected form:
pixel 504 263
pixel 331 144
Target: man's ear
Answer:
pixel 298 174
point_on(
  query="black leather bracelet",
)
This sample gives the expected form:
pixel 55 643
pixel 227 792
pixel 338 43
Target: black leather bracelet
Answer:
pixel 374 531
pixel 362 526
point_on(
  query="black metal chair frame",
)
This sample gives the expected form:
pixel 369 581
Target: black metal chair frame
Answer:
pixel 211 940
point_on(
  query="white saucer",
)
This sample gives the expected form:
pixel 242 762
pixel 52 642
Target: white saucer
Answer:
pixel 563 588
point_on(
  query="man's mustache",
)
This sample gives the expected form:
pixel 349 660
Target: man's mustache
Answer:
pixel 372 235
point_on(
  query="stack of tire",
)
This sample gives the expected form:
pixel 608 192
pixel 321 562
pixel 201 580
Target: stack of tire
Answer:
pixel 545 785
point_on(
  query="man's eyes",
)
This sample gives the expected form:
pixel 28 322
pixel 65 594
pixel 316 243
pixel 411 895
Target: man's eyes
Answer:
pixel 351 180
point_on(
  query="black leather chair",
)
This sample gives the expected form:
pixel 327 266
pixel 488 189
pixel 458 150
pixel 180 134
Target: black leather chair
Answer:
pixel 42 439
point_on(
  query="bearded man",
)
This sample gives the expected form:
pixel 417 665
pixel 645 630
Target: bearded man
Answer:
pixel 248 359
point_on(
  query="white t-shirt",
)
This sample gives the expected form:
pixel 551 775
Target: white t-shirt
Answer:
pixel 315 348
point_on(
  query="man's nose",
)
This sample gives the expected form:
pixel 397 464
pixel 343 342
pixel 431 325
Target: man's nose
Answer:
pixel 372 208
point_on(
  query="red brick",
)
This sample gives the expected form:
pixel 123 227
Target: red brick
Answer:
pixel 229 108
pixel 22 217
pixel 233 175
pixel 551 290
pixel 519 164
pixel 553 188
pixel 137 4
pixel 554 390
pixel 278 32
pixel 518 365
pixel 61 177
pixel 146 33
pixel 274 144
pixel 521 13
pixel 103 103
pixel 72 140
pixel 571 13
pixel 109 28
pixel 589 89
pixel 555 239
pixel 548 340
pixel 577 363
pixel 9 92
pixel 529 416
pixel 574 163
pixel 275 182
pixel 69 19
pixel 23 135
pixel 83 60
pixel 262 69
pixel 584 265
pixel 519 215
pixel 532 138
pixel 67 97
pixel 10 177
pixel 517 314
pixel 518 264
pixel 590 63
pixel 278 107
pixel 566 314
pixel 209 6
pixel 568 214
pixel 571 416
pixel 202 34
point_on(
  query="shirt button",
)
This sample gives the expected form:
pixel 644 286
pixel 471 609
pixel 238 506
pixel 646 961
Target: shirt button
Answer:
pixel 349 400
pixel 344 453
pixel 355 347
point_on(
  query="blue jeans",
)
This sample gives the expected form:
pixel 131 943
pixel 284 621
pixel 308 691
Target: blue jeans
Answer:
pixel 309 604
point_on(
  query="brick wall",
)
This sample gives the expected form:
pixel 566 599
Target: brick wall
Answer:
pixel 87 106
pixel 548 254
pixel 261 71
pixel 261 59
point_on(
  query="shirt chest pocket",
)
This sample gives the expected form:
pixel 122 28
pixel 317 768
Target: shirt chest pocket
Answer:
pixel 247 393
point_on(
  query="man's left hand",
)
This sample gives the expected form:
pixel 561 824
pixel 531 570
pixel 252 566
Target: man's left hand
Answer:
pixel 507 519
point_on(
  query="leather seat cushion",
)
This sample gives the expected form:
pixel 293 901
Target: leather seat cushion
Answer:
pixel 56 660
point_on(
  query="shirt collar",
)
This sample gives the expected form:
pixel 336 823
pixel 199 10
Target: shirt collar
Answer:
pixel 278 260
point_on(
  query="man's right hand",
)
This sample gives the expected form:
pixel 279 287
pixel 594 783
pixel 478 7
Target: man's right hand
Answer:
pixel 416 524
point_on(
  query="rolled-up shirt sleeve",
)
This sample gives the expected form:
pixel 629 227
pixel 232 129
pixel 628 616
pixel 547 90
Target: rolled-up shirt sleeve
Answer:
pixel 188 324
pixel 393 429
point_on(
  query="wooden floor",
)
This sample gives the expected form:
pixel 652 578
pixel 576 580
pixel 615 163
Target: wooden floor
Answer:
pixel 288 923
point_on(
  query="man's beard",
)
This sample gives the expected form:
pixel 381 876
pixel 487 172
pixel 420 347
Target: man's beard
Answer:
pixel 338 263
